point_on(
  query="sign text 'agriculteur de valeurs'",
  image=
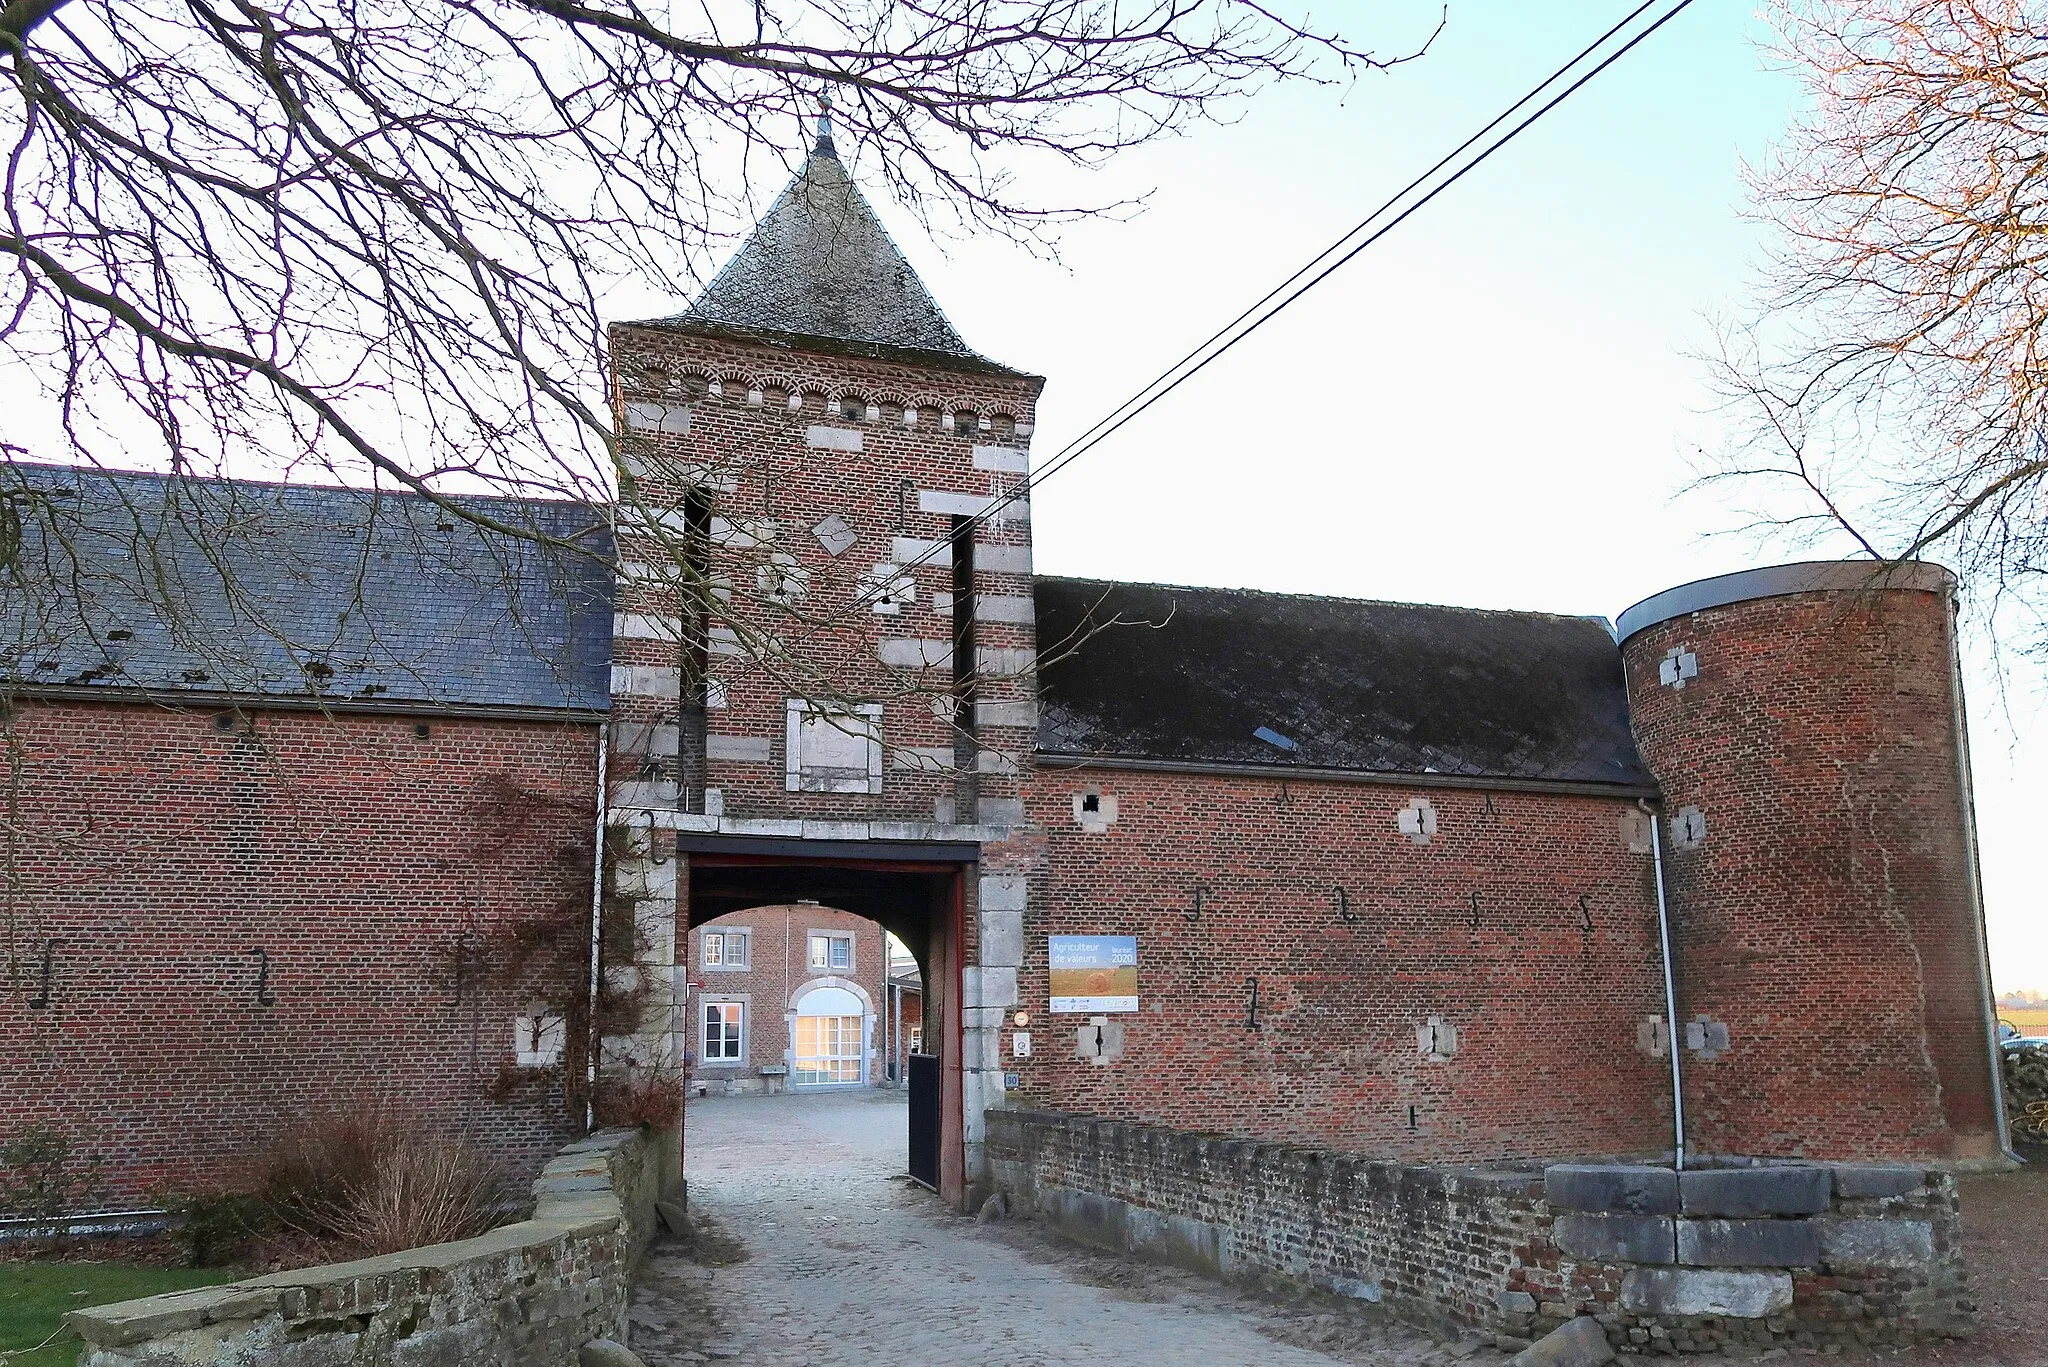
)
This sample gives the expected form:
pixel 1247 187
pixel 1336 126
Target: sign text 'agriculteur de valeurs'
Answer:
pixel 1094 972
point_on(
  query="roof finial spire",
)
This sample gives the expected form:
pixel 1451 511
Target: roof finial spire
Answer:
pixel 824 143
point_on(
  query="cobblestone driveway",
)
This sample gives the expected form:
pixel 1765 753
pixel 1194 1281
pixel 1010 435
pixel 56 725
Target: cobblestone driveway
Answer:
pixel 851 1264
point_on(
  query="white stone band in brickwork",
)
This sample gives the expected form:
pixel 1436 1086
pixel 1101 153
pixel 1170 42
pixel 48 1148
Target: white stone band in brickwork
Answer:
pixel 917 550
pixel 833 438
pixel 995 607
pixel 740 749
pixel 644 626
pixel 1005 662
pixel 1021 715
pixel 672 419
pixel 1006 507
pixel 1005 459
pixel 1001 559
pixel 915 654
pixel 646 681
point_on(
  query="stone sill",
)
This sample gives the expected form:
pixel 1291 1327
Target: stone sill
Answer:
pixel 794 828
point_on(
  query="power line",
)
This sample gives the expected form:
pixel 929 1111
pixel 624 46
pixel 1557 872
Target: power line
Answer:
pixel 1189 366
pixel 1294 286
pixel 1361 226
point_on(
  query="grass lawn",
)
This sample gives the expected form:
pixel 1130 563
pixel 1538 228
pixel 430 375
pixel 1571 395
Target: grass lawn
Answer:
pixel 34 1297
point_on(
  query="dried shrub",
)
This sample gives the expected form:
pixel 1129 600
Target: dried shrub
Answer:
pixel 374 1181
pixel 216 1227
pixel 319 1163
pixel 42 1176
pixel 427 1191
pixel 654 1100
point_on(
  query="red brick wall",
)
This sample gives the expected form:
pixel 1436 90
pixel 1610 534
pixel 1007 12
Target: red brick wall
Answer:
pixel 157 850
pixel 1826 917
pixel 1546 1009
pixel 777 964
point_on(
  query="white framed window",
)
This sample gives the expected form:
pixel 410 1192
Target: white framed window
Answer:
pixel 723 1041
pixel 726 951
pixel 827 1051
pixel 833 747
pixel 830 952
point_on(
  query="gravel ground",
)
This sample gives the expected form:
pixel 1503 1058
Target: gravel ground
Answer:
pixel 2005 1234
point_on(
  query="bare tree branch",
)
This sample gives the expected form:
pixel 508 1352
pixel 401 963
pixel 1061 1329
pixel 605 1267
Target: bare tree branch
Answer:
pixel 1898 376
pixel 404 220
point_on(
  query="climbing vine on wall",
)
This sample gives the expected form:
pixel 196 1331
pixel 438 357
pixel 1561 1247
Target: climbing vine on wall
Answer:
pixel 545 954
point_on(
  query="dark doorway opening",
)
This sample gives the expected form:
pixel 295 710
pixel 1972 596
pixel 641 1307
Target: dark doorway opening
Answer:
pixel 924 1120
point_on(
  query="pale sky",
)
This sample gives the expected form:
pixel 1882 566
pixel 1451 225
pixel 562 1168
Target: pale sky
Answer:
pixel 1495 407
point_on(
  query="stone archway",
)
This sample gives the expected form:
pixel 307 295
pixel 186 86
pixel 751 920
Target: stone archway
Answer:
pixel 809 985
pixel 915 890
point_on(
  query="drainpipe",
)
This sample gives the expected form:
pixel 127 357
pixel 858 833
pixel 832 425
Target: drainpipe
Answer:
pixel 1670 991
pixel 1969 796
pixel 596 931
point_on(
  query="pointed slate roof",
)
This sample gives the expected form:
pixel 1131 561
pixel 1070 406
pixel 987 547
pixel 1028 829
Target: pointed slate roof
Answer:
pixel 820 266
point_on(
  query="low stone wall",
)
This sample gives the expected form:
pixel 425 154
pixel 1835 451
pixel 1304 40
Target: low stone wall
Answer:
pixel 528 1294
pixel 1804 1255
pixel 1434 1245
pixel 1799 1254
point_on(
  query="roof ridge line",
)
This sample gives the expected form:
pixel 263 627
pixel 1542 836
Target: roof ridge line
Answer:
pixel 1320 597
pixel 244 481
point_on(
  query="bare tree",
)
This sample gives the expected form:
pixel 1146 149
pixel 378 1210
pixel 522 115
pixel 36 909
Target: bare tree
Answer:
pixel 372 243
pixel 375 238
pixel 1898 377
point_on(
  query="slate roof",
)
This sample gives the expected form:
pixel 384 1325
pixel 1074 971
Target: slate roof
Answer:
pixel 1192 674
pixel 820 266
pixel 181 584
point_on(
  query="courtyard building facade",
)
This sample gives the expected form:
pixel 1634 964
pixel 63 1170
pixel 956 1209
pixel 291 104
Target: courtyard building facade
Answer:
pixel 793 997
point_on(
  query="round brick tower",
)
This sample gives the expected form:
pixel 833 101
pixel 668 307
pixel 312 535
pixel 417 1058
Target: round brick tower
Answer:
pixel 1805 725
